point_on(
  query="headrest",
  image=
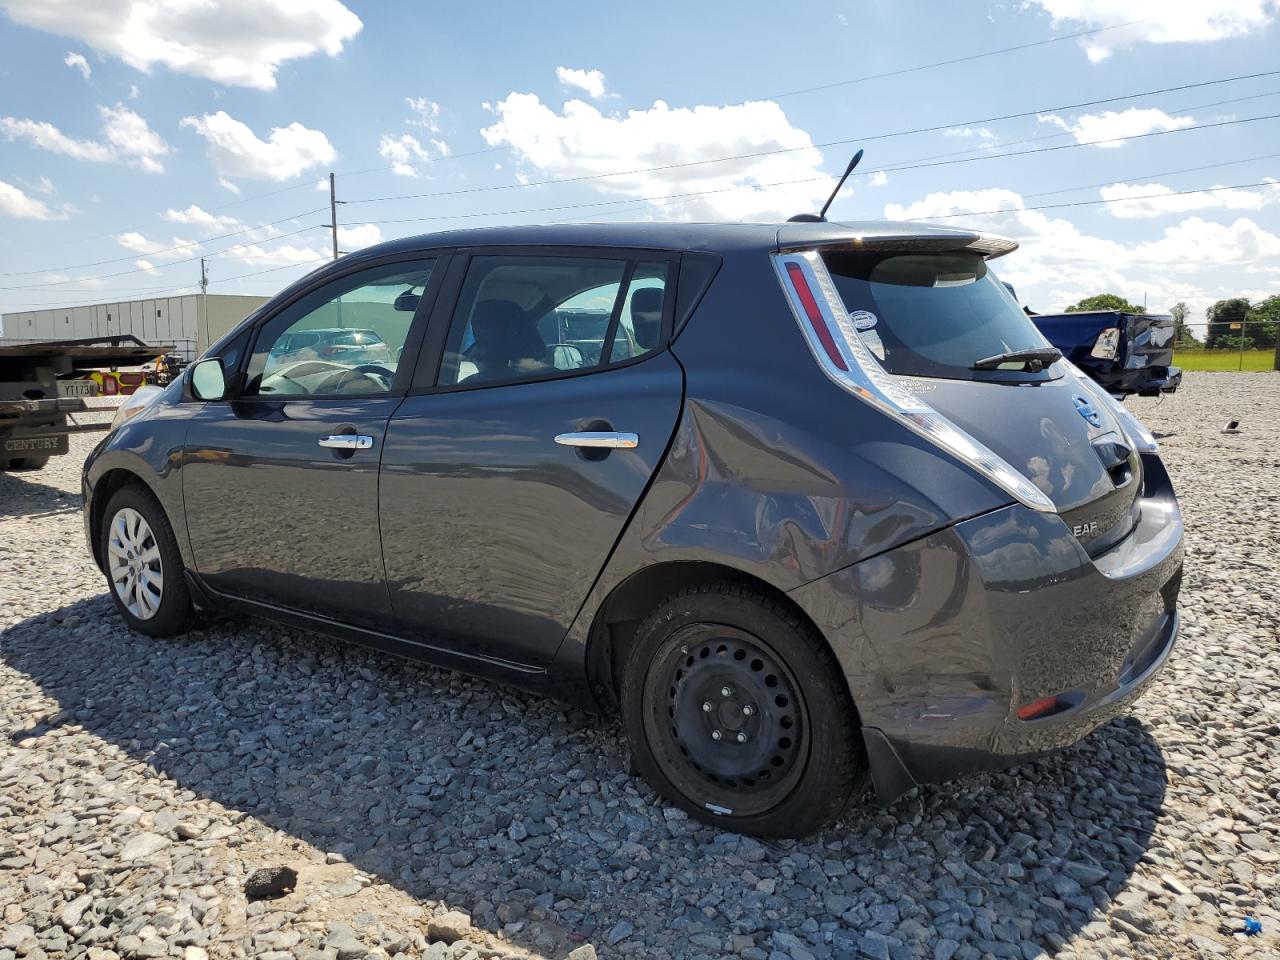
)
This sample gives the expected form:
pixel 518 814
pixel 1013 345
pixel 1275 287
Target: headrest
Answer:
pixel 648 299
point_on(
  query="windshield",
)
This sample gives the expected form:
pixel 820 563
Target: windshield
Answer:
pixel 934 315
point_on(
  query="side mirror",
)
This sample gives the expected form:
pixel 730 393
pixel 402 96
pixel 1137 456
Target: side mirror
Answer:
pixel 207 380
pixel 566 356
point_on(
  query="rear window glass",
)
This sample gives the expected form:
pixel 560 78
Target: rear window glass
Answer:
pixel 355 338
pixel 933 315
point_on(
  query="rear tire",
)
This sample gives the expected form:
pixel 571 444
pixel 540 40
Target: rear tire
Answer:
pixel 144 569
pixel 736 711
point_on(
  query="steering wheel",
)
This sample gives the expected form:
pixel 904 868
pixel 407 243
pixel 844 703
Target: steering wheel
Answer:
pixel 372 371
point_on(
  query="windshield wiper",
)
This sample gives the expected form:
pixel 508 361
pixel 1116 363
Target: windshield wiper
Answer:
pixel 1037 358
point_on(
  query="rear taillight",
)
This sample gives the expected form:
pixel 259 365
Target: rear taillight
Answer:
pixel 816 321
pixel 1104 348
pixel 840 353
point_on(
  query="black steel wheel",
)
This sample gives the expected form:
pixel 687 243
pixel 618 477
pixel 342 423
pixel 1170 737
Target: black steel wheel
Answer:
pixel 735 711
pixel 726 717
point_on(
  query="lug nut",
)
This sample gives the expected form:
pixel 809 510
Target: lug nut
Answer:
pixel 742 738
pixel 706 706
pixel 726 691
pixel 748 710
pixel 715 734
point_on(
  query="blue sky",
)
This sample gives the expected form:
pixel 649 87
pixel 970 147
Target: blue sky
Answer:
pixel 137 137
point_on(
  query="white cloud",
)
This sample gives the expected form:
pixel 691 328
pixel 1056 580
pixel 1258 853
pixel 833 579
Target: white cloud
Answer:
pixel 405 150
pixel 199 217
pixel 236 151
pixel 77 62
pixel 589 81
pixel 1130 201
pixel 878 179
pixel 48 137
pixel 174 249
pixel 45 185
pixel 15 203
pixel 1159 21
pixel 1058 263
pixel 133 91
pixel 359 235
pixel 128 136
pixel 583 142
pixel 981 133
pixel 1105 129
pixel 237 42
pixel 427 111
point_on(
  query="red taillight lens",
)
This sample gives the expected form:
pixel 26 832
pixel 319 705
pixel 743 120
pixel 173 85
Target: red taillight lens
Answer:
pixel 1038 708
pixel 811 311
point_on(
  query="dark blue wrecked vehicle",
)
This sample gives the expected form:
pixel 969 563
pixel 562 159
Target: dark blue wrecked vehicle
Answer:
pixel 1124 352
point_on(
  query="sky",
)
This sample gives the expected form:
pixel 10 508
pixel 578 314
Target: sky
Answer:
pixel 137 136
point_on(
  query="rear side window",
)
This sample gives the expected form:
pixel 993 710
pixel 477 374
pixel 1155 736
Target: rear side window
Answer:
pixel 932 315
pixel 533 318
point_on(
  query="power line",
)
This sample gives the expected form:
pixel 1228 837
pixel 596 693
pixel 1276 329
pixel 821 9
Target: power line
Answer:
pixel 1092 203
pixel 947 63
pixel 691 195
pixel 1145 176
pixel 911 165
pixel 156 253
pixel 284 266
pixel 814 146
pixel 124 273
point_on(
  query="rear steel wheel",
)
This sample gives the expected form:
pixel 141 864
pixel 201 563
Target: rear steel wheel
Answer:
pixel 737 711
pixel 726 716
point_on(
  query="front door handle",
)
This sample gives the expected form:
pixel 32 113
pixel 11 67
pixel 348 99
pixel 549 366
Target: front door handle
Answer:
pixel 346 441
pixel 608 440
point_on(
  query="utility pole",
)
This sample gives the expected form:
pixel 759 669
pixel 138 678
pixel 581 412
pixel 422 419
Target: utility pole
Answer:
pixel 333 214
pixel 204 307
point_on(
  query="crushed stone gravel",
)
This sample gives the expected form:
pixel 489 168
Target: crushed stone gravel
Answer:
pixel 433 815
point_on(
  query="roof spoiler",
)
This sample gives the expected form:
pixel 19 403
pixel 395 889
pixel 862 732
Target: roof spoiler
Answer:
pixel 988 245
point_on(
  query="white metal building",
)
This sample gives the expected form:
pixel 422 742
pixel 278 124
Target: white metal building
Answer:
pixel 190 323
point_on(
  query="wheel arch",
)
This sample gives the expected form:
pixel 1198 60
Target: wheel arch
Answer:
pixel 614 625
pixel 106 487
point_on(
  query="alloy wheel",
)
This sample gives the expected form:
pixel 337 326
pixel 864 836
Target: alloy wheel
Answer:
pixel 137 574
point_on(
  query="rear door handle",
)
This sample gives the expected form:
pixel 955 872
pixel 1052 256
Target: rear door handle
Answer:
pixel 608 440
pixel 346 441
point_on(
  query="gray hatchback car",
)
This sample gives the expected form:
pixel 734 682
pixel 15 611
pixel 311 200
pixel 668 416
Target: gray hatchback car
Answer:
pixel 807 503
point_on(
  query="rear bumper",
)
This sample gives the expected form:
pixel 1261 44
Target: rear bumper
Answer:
pixel 1145 381
pixel 1155 386
pixel 945 639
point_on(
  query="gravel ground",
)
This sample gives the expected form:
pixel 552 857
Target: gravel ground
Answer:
pixel 142 781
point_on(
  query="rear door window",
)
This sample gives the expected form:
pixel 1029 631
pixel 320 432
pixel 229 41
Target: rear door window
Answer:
pixel 538 317
pixel 933 315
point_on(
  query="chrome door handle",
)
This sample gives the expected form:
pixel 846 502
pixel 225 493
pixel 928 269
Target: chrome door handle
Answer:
pixel 346 441
pixel 611 441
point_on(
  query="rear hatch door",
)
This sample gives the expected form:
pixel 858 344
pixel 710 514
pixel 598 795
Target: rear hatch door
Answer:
pixel 930 318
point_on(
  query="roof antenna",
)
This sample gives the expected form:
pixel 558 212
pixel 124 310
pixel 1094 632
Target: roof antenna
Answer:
pixel 821 215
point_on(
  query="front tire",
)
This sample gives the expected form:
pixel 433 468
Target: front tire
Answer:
pixel 28 463
pixel 143 566
pixel 736 711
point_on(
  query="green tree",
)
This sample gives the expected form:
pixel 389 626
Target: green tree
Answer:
pixel 1263 321
pixel 1106 301
pixel 1181 329
pixel 1221 316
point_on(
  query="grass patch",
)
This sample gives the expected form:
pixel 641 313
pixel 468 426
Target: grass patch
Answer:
pixel 1230 360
